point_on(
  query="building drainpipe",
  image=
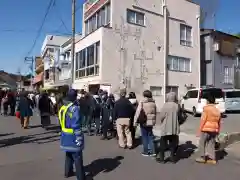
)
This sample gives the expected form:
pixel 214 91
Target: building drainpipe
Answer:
pixel 165 49
pixel 199 50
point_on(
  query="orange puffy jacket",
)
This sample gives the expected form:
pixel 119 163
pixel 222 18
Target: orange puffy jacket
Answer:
pixel 210 120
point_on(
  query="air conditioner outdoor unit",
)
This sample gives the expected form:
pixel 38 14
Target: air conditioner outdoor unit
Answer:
pixel 216 46
pixel 238 50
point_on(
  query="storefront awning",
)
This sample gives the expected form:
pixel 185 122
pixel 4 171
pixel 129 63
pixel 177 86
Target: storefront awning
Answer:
pixel 38 78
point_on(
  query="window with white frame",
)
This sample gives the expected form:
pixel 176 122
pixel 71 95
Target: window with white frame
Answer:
pixel 97 58
pixel 172 89
pixel 228 75
pixel 90 60
pixel 135 17
pixel 156 90
pixel 99 19
pixel 179 64
pixel 185 35
pixel 87 61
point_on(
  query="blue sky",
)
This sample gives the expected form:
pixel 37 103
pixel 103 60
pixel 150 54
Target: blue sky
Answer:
pixel 20 20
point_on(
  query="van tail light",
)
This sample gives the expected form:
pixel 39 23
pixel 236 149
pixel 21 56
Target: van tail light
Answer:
pixel 223 95
pixel 200 96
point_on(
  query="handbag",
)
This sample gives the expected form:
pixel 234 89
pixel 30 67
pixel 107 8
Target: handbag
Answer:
pixel 17 114
pixel 182 116
pixel 142 118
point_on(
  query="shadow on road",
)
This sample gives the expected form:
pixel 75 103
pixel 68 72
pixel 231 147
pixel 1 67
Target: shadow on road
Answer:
pixel 137 142
pixel 6 134
pixel 35 138
pixel 221 154
pixel 43 140
pixel 13 141
pixel 35 126
pixel 54 128
pixel 104 165
pixel 186 150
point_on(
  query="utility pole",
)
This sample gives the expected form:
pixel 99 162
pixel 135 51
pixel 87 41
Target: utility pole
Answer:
pixel 124 33
pixel 30 60
pixel 19 78
pixel 165 49
pixel 73 40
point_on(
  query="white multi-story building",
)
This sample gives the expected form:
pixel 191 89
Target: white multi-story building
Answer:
pixel 139 45
pixel 50 53
pixel 65 62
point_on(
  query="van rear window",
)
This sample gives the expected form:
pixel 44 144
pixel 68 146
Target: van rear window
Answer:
pixel 216 92
pixel 233 94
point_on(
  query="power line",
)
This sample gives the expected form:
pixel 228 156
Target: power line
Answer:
pixel 41 26
pixel 30 31
pixel 17 31
pixel 62 24
pixel 78 8
pixel 60 16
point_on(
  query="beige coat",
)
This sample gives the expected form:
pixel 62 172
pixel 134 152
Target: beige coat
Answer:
pixel 150 110
pixel 169 115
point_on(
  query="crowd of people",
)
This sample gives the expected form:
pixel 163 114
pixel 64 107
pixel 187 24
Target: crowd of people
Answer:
pixel 8 101
pixel 80 112
pixel 127 113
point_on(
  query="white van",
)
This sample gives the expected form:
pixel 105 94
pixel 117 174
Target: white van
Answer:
pixel 195 100
pixel 232 99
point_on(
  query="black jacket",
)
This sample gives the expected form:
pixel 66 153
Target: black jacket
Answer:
pixel 97 106
pixel 105 111
pixel 86 105
pixel 44 105
pixel 123 109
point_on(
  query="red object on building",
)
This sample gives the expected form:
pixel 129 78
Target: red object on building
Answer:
pixel 38 78
pixel 94 8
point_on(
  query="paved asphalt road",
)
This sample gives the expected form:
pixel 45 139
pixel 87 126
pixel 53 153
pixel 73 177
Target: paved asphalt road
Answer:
pixel 34 154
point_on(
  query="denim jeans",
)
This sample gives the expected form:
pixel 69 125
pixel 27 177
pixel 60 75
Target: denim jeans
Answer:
pixel 88 121
pixel 77 159
pixel 168 142
pixel 105 126
pixel 147 140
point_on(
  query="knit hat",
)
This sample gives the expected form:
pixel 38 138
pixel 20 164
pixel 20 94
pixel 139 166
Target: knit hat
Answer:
pixel 123 92
pixel 72 95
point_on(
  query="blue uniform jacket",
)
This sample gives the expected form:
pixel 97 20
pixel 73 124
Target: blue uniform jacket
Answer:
pixel 73 142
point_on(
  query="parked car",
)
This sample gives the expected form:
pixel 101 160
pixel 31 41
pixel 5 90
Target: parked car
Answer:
pixel 195 100
pixel 232 99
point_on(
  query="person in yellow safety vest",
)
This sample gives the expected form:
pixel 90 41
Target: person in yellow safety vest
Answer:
pixel 72 137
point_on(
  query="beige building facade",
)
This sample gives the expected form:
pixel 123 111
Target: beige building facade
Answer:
pixel 139 45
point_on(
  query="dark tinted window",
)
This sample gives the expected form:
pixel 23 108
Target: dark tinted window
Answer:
pixel 217 93
pixel 193 94
pixel 233 94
